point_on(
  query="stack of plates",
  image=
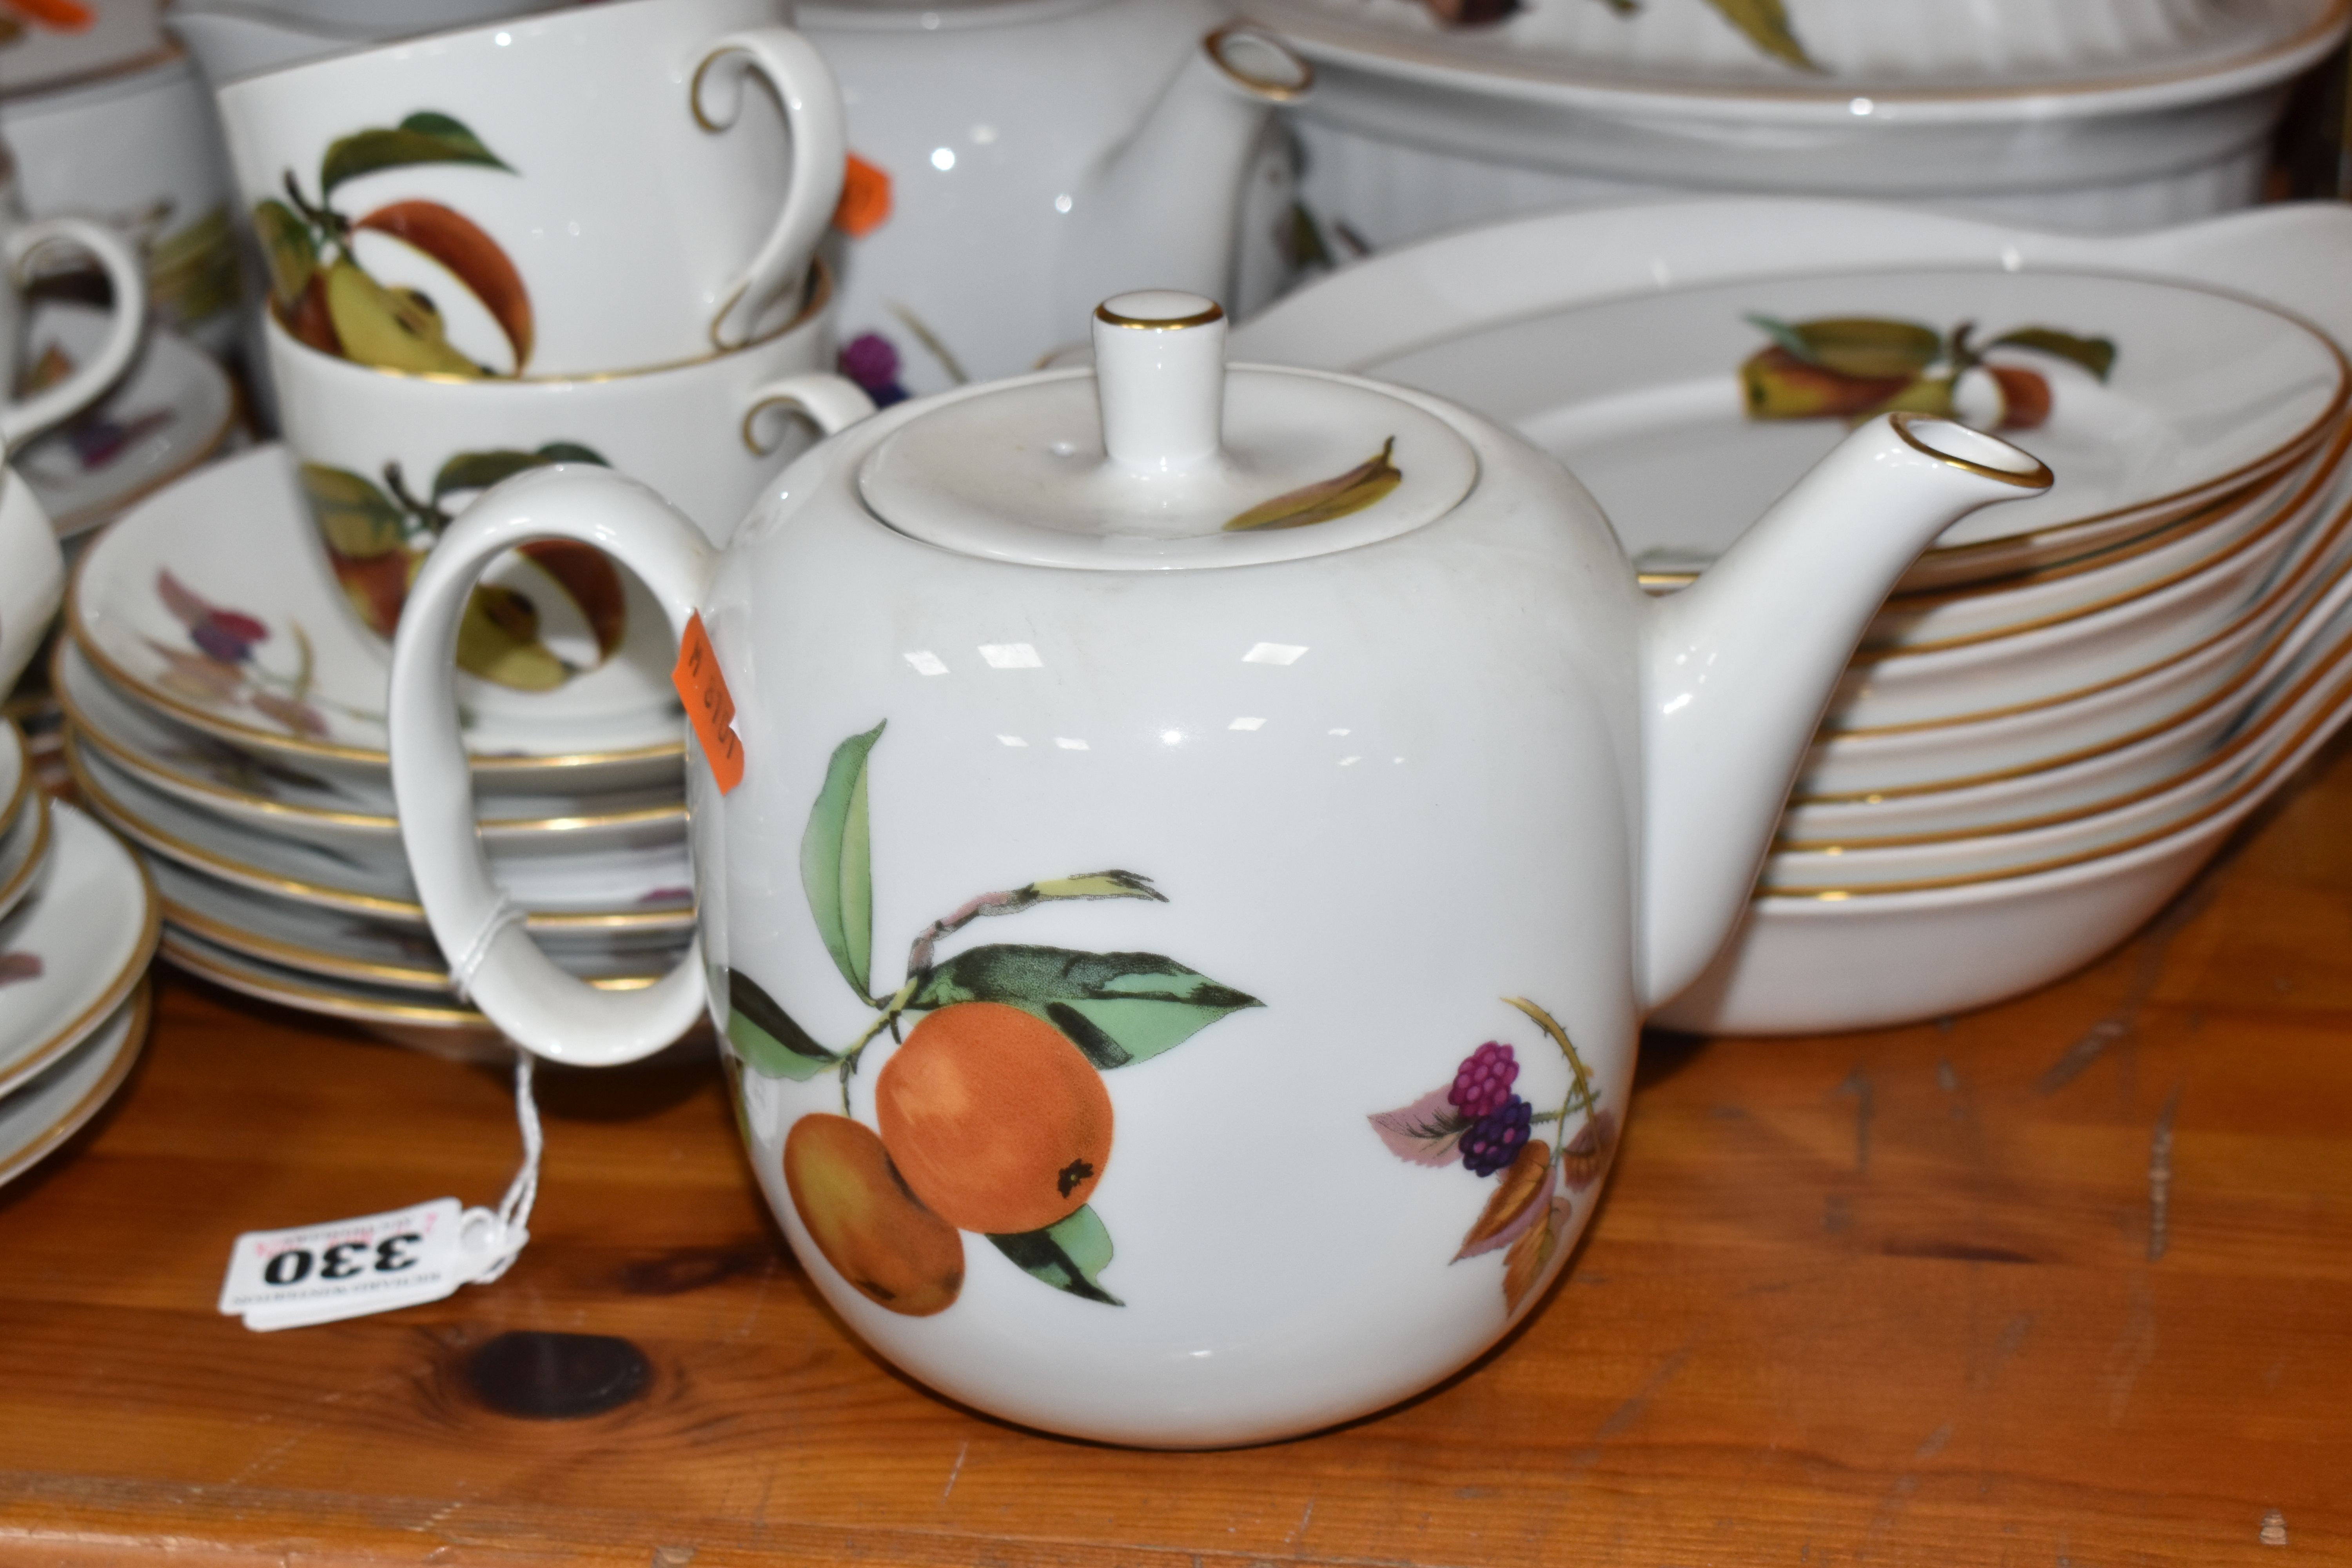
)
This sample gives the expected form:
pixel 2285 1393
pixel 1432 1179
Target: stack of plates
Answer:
pixel 78 928
pixel 2069 699
pixel 224 713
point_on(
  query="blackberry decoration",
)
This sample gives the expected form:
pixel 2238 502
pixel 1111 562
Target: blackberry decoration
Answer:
pixel 1482 1084
pixel 1494 1140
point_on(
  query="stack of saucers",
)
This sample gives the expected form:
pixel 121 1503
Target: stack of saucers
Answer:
pixel 78 928
pixel 2069 699
pixel 225 712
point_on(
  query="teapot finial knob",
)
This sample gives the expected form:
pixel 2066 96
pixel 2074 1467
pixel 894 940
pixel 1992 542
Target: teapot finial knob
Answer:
pixel 1159 375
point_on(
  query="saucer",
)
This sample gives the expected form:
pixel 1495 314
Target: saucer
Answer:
pixel 38 1118
pixel 212 602
pixel 172 412
pixel 276 796
pixel 74 949
pixel 440 1028
pixel 23 844
pixel 636 891
pixel 333 945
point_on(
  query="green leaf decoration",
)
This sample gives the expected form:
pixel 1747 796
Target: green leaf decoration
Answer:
pixel 766 1037
pixel 1865 346
pixel 358 521
pixel 1068 1254
pixel 837 865
pixel 1097 885
pixel 290 249
pixel 424 137
pixel 1362 486
pixel 2096 355
pixel 481 470
pixel 1766 23
pixel 1117 1007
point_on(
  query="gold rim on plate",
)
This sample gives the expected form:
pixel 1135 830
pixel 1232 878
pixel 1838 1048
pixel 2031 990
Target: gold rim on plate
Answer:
pixel 248 738
pixel 74 524
pixel 148 769
pixel 175 847
pixel 2256 780
pixel 230 970
pixel 118 985
pixel 336 966
pixel 2328 669
pixel 134 1040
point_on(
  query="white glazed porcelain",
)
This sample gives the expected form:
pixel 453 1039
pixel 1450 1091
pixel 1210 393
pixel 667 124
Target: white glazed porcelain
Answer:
pixel 141 152
pixel 1060 151
pixel 39 54
pixel 595 189
pixel 174 410
pixel 433 1025
pixel 25 248
pixel 37 1119
pixel 233 39
pixel 72 950
pixel 24 847
pixel 212 602
pixel 334 814
pixel 32 575
pixel 332 945
pixel 1806 966
pixel 2204 390
pixel 1362 728
pixel 387 459
pixel 1417 130
pixel 635 887
pixel 15 774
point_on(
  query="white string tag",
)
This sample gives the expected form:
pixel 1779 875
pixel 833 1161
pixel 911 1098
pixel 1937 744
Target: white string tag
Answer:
pixel 381 1262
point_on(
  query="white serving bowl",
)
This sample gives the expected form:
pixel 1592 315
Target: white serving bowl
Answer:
pixel 1413 129
pixel 1864 961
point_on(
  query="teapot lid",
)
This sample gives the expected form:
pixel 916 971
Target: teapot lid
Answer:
pixel 1165 459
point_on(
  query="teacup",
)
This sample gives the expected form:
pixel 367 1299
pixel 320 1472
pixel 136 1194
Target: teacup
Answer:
pixel 26 245
pixel 570 193
pixel 388 460
pixel 140 151
pixel 32 575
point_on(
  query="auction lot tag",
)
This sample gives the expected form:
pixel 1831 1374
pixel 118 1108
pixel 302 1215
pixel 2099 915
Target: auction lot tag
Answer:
pixel 703 688
pixel 350 1268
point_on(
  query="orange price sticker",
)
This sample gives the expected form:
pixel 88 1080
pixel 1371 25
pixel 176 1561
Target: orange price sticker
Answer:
pixel 865 204
pixel 703 688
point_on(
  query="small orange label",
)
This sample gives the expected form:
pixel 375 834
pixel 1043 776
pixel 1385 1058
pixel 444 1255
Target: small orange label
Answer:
pixel 703 689
pixel 864 199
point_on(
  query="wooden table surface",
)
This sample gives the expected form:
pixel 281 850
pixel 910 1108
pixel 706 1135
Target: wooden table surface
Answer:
pixel 2065 1281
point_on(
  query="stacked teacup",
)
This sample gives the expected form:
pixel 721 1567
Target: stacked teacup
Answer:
pixel 78 916
pixel 586 237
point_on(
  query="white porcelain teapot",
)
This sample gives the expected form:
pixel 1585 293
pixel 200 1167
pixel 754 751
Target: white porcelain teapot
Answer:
pixel 1014 161
pixel 1287 806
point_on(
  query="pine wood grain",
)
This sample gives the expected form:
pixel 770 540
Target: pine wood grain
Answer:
pixel 1901 1297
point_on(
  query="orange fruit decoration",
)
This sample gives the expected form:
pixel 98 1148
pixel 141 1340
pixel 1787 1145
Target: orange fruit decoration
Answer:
pixel 997 1121
pixel 862 1217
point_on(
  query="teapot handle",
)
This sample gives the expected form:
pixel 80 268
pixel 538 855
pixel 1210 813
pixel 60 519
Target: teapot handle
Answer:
pixel 812 101
pixel 492 957
pixel 21 421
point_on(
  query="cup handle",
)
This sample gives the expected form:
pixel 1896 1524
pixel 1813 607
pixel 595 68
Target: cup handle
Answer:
pixel 832 403
pixel 19 422
pixel 494 960
pixel 812 101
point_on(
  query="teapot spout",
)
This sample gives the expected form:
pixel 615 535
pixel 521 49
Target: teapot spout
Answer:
pixel 1737 668
pixel 1162 211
